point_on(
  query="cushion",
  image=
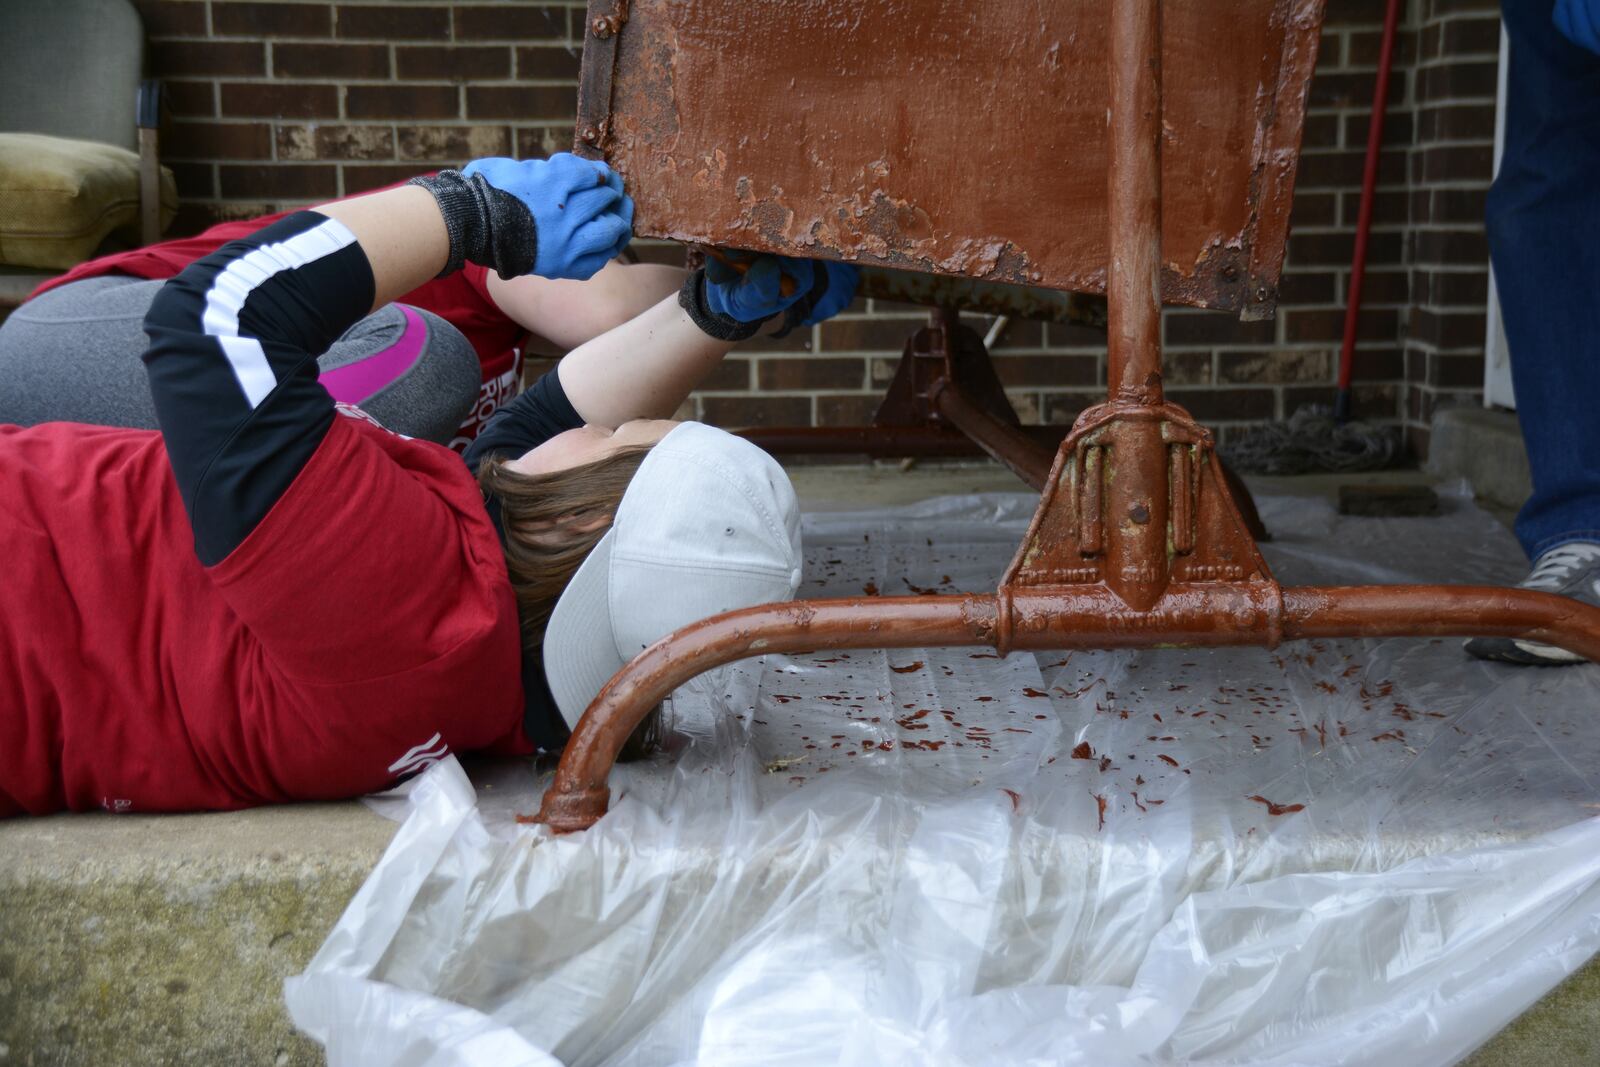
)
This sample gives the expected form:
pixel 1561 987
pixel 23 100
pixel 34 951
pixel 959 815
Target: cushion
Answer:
pixel 59 198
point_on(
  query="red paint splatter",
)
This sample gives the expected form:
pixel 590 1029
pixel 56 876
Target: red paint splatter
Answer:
pixel 1391 735
pixel 908 668
pixel 1278 809
pixel 1164 758
pixel 1105 764
pixel 1101 801
pixel 1016 801
pixel 1082 751
pixel 1030 691
pixel 871 589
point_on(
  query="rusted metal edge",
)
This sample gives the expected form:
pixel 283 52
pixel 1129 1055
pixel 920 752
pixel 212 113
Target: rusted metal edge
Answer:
pixel 1277 156
pixel 602 31
pixel 989 298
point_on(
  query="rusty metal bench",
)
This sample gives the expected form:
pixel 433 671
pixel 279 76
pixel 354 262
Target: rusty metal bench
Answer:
pixel 1137 540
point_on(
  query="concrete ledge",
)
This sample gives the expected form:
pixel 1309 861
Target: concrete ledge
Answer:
pixel 1485 447
pixel 166 939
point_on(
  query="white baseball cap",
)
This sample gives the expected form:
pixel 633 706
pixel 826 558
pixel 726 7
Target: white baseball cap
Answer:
pixel 708 524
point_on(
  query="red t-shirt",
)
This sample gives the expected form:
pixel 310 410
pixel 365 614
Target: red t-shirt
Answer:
pixel 461 299
pixel 309 664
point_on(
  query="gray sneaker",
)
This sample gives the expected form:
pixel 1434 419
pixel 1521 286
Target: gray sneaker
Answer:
pixel 1572 570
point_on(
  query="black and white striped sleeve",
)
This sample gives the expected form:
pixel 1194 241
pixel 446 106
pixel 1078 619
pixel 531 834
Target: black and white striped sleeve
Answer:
pixel 232 363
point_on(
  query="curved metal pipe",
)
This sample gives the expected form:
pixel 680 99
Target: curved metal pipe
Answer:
pixel 1060 618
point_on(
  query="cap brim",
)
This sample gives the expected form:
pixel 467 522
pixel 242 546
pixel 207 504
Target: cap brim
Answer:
pixel 580 649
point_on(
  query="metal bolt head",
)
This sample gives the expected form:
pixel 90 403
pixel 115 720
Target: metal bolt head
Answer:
pixel 1139 514
pixel 589 135
pixel 601 27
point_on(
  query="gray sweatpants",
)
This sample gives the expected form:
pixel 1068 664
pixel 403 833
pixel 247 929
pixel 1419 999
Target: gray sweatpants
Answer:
pixel 72 355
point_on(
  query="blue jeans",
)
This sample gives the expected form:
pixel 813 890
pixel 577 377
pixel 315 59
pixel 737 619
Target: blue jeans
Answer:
pixel 1544 238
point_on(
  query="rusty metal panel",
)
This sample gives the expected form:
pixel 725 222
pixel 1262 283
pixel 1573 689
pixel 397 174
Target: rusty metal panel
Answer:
pixel 958 137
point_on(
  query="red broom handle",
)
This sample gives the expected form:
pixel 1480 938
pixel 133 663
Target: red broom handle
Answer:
pixel 1369 182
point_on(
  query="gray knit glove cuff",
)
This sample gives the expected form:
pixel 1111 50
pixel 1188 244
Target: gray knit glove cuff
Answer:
pixel 692 298
pixel 487 226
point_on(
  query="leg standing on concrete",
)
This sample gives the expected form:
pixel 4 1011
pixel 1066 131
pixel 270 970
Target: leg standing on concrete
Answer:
pixel 1544 235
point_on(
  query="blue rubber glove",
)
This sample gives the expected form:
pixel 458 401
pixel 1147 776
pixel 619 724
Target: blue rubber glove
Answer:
pixel 833 287
pixel 751 288
pixel 582 217
pixel 1579 20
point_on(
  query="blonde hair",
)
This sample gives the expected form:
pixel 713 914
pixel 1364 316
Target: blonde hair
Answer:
pixel 552 522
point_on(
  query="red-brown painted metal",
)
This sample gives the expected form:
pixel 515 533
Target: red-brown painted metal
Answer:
pixel 951 137
pixel 1137 540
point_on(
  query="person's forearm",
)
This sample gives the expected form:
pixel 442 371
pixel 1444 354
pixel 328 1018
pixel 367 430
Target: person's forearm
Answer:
pixel 643 369
pixel 402 234
pixel 568 313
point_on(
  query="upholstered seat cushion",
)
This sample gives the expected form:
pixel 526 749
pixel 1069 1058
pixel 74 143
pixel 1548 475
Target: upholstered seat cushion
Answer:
pixel 60 198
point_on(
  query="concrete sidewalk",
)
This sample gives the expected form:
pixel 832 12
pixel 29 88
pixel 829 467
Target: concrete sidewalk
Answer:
pixel 165 940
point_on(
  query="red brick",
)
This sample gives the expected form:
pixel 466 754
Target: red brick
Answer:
pixel 524 102
pixel 1366 47
pixel 547 61
pixel 1352 89
pixel 402 102
pixel 1375 324
pixel 1301 287
pixel 1346 168
pixel 735 412
pixel 1465 36
pixel 1232 404
pixel 1458 79
pixel 1314 209
pixel 510 23
pixel 1445 163
pixel 217 140
pixel 482 63
pixel 540 141
pixel 330 61
pixel 1074 335
pixel 847 409
pixel 1457 372
pixel 811 373
pixel 1018 333
pixel 1450 246
pixel 364 177
pixel 196 181
pixel 1456 122
pixel 335 142
pixel 280 180
pixel 1386 287
pixel 172 18
pixel 1320 131
pixel 1276 367
pixel 731 375
pixel 1454 288
pixel 236 58
pixel 1397 129
pixel 453 143
pixel 1462 329
pixel 355 142
pixel 1210 327
pixel 1052 370
pixel 1354 12
pixel 298 101
pixel 190 98
pixel 1458 205
pixel 1065 407
pixel 1376 364
pixel 868 335
pixel 392 22
pixel 798 340
pixel 271 20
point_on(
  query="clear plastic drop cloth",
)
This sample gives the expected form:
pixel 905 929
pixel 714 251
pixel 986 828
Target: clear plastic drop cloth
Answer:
pixel 1335 852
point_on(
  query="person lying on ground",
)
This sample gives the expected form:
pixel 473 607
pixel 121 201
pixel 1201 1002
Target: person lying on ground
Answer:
pixel 274 599
pixel 435 364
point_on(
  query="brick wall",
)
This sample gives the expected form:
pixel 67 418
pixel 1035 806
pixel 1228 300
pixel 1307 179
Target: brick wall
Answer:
pixel 277 103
